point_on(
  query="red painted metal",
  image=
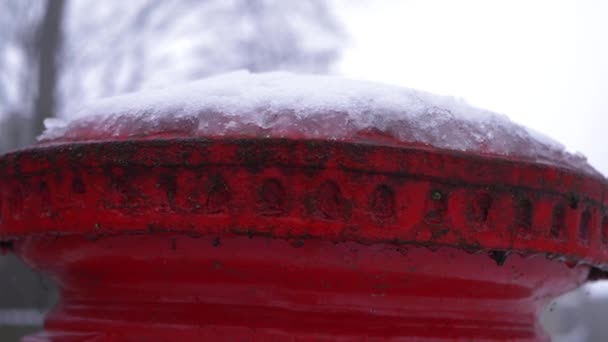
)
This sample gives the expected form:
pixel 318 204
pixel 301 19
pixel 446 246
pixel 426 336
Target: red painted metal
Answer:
pixel 173 239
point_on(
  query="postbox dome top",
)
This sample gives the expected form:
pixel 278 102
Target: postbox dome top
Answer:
pixel 285 105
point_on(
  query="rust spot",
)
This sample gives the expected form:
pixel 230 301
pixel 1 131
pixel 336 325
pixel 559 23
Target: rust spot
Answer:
pixel 123 182
pixel 330 201
pixel 558 222
pixel 1 202
pixel 605 230
pixel 193 198
pixel 218 196
pixel 168 182
pixel 16 202
pixel 382 202
pixel 480 207
pixel 272 198
pixel 437 207
pixel 255 157
pixel 573 201
pixel 584 227
pixel 59 176
pixel 317 154
pixel 297 243
pixel 439 233
pixel 44 194
pixel 524 212
pixel 436 195
pixel 500 257
pixel 78 186
pixel 118 181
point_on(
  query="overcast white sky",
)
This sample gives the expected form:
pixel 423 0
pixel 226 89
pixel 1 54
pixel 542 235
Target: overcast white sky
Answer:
pixel 544 63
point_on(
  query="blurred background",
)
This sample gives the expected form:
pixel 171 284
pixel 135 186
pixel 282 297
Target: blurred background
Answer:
pixel 544 63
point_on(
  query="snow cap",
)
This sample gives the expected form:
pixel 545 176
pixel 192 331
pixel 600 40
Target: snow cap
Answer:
pixel 285 105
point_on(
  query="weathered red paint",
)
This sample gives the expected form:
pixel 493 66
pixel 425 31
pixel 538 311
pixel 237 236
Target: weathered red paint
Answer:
pixel 272 239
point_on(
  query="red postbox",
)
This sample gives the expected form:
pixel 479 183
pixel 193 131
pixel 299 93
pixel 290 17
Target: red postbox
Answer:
pixel 166 235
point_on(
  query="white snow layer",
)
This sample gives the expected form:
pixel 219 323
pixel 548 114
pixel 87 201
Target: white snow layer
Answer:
pixel 286 105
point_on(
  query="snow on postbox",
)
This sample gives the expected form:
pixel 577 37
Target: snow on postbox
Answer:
pixel 277 207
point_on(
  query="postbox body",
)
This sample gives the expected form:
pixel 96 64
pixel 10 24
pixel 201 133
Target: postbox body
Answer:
pixel 174 237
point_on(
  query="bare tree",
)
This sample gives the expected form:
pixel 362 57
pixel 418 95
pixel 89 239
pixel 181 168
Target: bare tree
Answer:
pixel 46 50
pixel 31 40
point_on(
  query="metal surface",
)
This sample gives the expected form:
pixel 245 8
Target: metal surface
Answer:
pixel 191 239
